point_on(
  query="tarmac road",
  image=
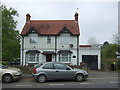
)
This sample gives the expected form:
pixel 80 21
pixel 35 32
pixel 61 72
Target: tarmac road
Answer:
pixel 97 79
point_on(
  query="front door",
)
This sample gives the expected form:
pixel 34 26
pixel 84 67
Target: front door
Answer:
pixel 49 58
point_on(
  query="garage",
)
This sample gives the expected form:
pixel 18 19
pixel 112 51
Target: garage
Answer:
pixel 91 55
pixel 91 61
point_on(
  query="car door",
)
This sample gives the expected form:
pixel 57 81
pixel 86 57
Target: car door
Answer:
pixel 0 72
pixel 49 70
pixel 62 72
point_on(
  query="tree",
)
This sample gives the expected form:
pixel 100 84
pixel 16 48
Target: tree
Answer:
pixel 116 38
pixel 92 41
pixel 10 36
pixel 108 51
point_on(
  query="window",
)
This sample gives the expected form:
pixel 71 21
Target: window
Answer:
pixel 64 57
pixel 32 57
pixel 60 66
pixel 32 40
pixel 48 39
pixel 48 66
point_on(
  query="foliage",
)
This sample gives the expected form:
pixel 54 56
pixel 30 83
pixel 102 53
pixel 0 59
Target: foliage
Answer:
pixel 10 36
pixel 108 51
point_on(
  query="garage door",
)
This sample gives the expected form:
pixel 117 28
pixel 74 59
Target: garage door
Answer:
pixel 91 60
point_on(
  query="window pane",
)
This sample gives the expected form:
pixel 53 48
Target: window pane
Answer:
pixel 32 40
pixel 37 57
pixel 31 57
pixel 48 66
pixel 48 39
pixel 59 66
pixel 64 57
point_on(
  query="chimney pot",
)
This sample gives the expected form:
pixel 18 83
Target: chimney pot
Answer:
pixel 28 17
pixel 76 16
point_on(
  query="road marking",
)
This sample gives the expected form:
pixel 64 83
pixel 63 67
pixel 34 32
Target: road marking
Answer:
pixel 103 78
pixel 86 83
pixel 55 84
pixel 113 82
pixel 22 85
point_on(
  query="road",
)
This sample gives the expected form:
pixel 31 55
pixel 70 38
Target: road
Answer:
pixel 97 79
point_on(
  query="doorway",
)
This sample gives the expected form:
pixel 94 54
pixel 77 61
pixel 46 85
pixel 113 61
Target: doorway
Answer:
pixel 49 58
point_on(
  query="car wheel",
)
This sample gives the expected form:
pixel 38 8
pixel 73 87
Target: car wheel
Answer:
pixel 7 78
pixel 42 78
pixel 79 78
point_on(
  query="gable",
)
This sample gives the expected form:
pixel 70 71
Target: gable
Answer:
pixel 32 30
pixel 65 30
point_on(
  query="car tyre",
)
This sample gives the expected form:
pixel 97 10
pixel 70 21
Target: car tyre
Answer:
pixel 42 78
pixel 7 78
pixel 79 78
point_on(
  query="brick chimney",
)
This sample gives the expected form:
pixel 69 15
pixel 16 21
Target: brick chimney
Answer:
pixel 76 16
pixel 28 17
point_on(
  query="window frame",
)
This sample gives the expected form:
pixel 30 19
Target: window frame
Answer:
pixel 49 39
pixel 36 57
pixel 32 40
pixel 68 58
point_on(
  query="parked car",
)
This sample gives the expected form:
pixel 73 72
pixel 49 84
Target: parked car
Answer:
pixel 9 74
pixel 57 71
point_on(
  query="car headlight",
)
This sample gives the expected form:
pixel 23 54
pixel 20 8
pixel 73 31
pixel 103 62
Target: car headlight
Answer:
pixel 85 72
pixel 16 72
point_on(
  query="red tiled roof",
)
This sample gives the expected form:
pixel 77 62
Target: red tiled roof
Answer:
pixel 51 27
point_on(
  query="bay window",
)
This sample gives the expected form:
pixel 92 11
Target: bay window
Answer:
pixel 64 57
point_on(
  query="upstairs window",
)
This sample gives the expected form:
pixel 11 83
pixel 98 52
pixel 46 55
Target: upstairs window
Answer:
pixel 32 40
pixel 48 39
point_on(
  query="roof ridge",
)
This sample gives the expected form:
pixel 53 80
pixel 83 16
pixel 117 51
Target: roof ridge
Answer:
pixel 50 20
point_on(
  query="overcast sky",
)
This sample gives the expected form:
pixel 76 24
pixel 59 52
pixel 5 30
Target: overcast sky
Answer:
pixel 97 18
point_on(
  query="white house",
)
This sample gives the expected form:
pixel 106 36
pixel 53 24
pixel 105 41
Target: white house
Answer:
pixel 51 41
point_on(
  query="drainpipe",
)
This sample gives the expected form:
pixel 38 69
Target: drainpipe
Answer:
pixel 22 49
pixel 55 48
pixel 78 50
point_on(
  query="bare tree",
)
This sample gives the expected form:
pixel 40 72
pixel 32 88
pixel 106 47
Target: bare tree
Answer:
pixel 116 38
pixel 92 41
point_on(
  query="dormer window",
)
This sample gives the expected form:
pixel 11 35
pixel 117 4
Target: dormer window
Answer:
pixel 32 30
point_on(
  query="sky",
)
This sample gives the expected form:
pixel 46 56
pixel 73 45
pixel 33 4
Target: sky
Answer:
pixel 97 18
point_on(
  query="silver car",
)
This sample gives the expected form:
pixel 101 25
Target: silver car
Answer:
pixel 8 74
pixel 57 71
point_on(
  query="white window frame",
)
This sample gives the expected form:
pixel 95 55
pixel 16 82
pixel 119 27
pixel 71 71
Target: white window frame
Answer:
pixel 36 58
pixel 68 56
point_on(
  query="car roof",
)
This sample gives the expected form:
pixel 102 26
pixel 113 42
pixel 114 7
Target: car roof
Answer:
pixel 54 62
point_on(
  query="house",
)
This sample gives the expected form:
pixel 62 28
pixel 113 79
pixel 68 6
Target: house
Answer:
pixel 50 41
pixel 56 41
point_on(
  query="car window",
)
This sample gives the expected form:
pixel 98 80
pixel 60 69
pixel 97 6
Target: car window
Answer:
pixel 48 66
pixel 3 66
pixel 60 66
pixel 38 65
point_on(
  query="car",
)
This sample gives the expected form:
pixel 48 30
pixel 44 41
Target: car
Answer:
pixel 57 71
pixel 9 74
